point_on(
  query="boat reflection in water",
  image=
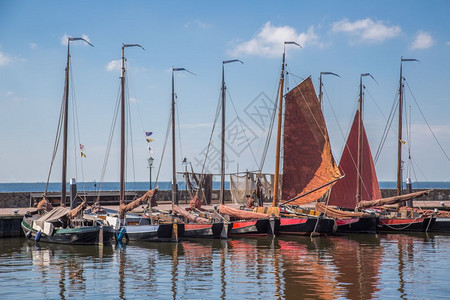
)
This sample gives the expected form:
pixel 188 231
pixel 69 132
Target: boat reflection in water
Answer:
pixel 294 267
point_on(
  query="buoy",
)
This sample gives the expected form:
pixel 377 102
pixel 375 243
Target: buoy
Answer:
pixel 38 236
pixel 28 235
pixel 121 234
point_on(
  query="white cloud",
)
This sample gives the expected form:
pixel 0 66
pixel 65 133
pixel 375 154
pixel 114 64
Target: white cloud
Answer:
pixel 448 43
pixel 197 23
pixel 366 30
pixel 9 93
pixel 423 40
pixel 66 36
pixel 113 65
pixel 33 46
pixel 270 39
pixel 5 59
pixel 133 100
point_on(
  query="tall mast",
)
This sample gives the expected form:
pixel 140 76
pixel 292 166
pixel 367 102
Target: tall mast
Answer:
pixel 360 138
pixel 400 129
pixel 280 116
pixel 65 126
pixel 321 84
pixel 66 121
pixel 123 121
pixel 174 174
pixel 222 156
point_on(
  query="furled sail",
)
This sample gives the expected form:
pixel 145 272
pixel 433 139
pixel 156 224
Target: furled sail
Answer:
pixel 343 193
pixel 242 214
pixel 191 217
pixel 392 200
pixel 124 208
pixel 308 162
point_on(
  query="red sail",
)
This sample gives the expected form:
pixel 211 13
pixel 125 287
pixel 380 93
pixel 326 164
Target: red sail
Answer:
pixel 307 162
pixel 343 193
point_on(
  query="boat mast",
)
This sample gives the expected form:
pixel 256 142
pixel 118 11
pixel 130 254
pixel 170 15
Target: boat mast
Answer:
pixel 66 121
pixel 122 122
pixel 174 174
pixel 400 129
pixel 280 116
pixel 321 84
pixel 222 156
pixel 360 138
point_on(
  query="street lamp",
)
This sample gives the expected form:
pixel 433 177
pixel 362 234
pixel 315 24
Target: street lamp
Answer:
pixel 150 161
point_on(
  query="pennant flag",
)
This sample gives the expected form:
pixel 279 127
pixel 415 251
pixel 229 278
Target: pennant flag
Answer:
pixel 82 151
pixel 148 133
pixel 149 140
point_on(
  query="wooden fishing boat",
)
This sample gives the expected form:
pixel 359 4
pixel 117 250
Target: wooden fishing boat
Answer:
pixel 309 169
pixel 64 225
pixel 131 227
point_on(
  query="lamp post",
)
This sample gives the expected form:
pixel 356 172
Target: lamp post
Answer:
pixel 150 161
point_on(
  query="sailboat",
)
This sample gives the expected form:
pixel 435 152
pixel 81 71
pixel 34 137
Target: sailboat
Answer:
pixel 64 225
pixel 309 169
pixel 241 221
pixel 194 226
pixel 134 227
pixel 360 190
pixel 398 219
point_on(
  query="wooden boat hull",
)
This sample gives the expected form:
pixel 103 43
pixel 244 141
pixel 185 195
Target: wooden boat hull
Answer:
pixel 357 225
pixel 154 233
pixel 441 225
pixel 88 235
pixel 304 226
pixel 212 230
pixel 249 227
pixel 405 224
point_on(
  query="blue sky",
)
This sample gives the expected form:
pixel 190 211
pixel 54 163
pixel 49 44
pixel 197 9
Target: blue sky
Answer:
pixel 348 38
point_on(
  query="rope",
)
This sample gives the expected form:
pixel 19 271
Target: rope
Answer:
pixel 403 228
pixel 429 127
pixel 242 128
pixel 108 147
pixel 164 149
pixel 56 144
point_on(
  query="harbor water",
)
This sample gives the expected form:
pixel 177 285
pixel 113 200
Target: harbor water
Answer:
pixel 383 266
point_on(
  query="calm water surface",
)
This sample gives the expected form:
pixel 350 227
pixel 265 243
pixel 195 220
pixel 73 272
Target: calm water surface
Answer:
pixel 345 267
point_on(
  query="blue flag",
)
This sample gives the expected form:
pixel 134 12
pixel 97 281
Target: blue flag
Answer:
pixel 148 133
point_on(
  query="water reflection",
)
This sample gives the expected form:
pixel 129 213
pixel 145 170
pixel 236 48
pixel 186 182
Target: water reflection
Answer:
pixel 348 267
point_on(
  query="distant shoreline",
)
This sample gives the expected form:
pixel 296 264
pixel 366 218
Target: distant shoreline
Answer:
pixel 141 186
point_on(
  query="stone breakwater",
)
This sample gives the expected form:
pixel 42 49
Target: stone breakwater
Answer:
pixel 30 199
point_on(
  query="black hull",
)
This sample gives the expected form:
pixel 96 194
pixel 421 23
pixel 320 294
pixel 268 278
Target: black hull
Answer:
pixel 405 225
pixel 362 225
pixel 73 236
pixel 153 233
pixel 209 231
pixel 249 227
pixel 441 225
pixel 304 226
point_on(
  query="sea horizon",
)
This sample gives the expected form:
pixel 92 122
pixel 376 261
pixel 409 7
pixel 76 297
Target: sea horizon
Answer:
pixel 165 185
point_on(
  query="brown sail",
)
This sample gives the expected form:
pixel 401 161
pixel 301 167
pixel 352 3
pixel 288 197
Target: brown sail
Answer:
pixel 343 193
pixel 308 162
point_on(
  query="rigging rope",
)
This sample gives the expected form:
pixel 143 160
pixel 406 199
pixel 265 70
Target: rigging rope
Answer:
pixel 164 149
pixel 242 128
pixel 429 127
pixel 108 147
pixel 57 139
